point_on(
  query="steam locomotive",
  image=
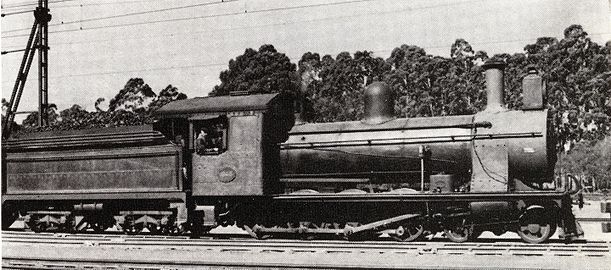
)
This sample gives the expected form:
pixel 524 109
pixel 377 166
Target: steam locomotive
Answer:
pixel 243 160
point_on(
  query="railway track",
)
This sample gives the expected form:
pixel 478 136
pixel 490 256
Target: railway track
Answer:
pixel 239 243
pixel 40 263
pixel 27 250
pixel 60 264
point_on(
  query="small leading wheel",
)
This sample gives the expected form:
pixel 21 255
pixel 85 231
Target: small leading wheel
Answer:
pixel 458 235
pixel 408 232
pixel 534 227
pixel 459 232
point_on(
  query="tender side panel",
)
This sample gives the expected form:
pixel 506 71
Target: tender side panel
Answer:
pixel 130 169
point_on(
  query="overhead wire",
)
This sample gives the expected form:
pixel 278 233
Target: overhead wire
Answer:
pixel 82 5
pixel 196 17
pixel 304 21
pixel 130 14
pixel 17 12
pixel 12 51
pixel 32 3
pixel 138 70
pixel 97 3
pixel 236 28
pixel 265 25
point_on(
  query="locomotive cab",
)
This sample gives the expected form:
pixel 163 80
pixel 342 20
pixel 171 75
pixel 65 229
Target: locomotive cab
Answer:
pixel 232 141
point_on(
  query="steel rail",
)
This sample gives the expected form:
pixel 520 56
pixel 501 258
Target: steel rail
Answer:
pixel 59 264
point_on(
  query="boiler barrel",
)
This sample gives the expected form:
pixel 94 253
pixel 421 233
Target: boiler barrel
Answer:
pixel 354 150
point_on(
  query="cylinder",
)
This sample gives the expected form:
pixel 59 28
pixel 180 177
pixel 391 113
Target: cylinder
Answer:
pixel 494 85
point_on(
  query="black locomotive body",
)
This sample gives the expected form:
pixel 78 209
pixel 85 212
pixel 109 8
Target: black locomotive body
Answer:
pixel 242 160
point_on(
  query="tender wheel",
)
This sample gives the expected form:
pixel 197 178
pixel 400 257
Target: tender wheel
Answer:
pixel 175 229
pixel 98 227
pixel 534 227
pixel 409 232
pixel 38 227
pixel 130 227
pixel 9 216
pixel 100 223
pixel 153 228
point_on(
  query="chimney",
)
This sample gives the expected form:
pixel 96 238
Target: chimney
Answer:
pixel 494 85
pixel 379 104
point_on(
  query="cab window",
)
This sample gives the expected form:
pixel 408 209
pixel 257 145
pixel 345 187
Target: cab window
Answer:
pixel 210 136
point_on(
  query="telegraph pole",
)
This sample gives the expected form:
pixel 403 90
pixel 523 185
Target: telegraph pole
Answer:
pixel 38 40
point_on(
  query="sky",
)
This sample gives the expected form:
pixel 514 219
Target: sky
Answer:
pixel 96 46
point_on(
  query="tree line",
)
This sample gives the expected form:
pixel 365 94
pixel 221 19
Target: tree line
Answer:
pixel 132 105
pixel 576 71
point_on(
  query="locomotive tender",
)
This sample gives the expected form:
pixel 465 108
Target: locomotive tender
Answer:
pixel 241 160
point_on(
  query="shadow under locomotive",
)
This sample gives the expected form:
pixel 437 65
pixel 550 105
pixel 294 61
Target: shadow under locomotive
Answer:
pixel 241 160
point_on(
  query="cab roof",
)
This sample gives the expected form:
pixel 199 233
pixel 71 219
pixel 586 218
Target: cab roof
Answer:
pixel 217 104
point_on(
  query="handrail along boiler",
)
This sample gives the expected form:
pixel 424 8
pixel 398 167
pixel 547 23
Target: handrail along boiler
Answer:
pixel 241 160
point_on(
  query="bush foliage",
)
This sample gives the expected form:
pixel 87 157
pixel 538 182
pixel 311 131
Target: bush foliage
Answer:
pixel 133 105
